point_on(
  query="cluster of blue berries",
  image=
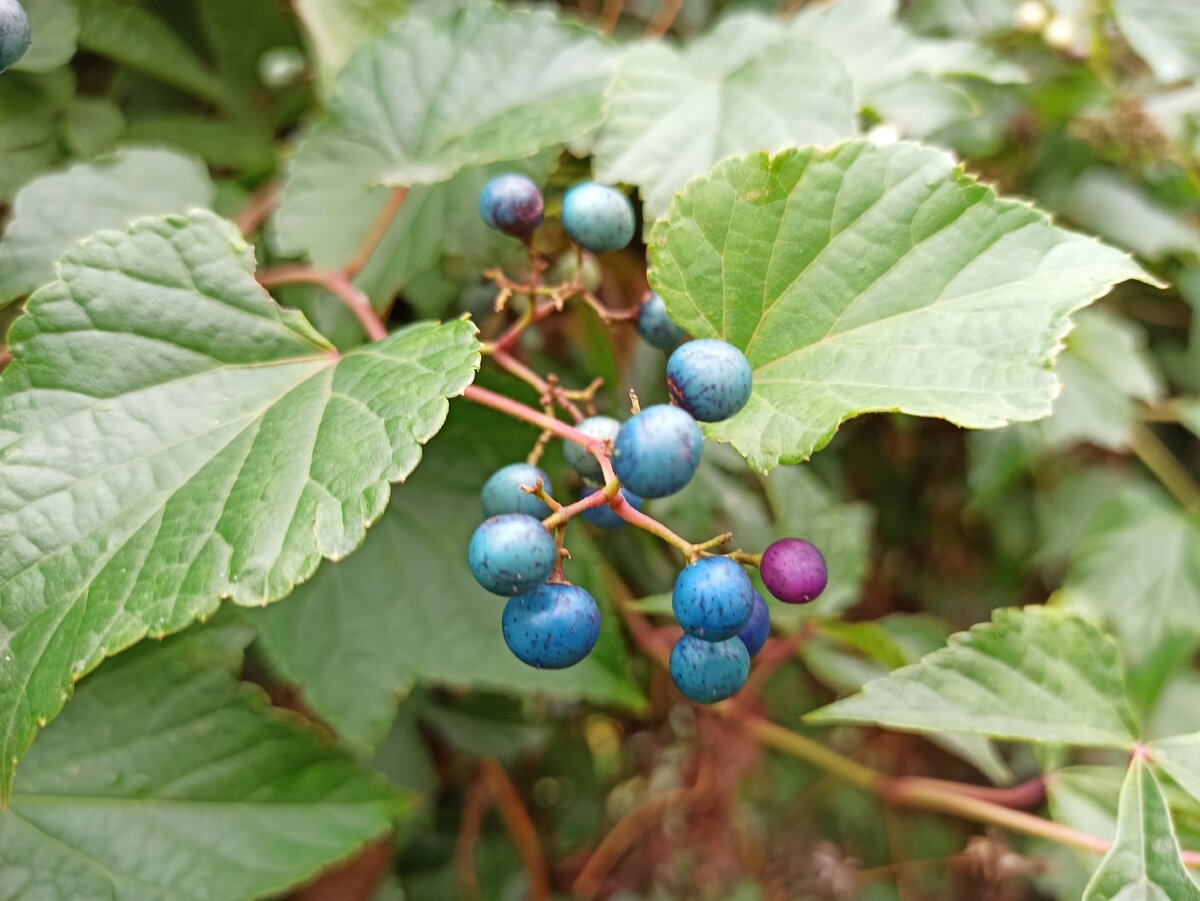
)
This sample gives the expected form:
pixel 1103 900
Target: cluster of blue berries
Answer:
pixel 14 33
pixel 550 623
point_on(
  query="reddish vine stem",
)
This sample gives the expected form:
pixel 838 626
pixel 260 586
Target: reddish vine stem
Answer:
pixel 378 229
pixel 337 283
pixel 6 357
pixel 475 806
pixel 520 827
pixel 548 391
pixel 260 205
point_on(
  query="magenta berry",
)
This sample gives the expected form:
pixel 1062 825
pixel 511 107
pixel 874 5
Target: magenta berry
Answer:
pixel 794 570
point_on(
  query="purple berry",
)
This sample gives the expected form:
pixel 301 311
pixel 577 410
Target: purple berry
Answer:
pixel 794 570
pixel 512 203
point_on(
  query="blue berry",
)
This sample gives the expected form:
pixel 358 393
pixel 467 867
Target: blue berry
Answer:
pixel 655 326
pixel 512 203
pixel 14 33
pixel 709 378
pixel 713 598
pixel 502 492
pixel 598 218
pixel 601 428
pixel 709 671
pixel 656 452
pixel 552 627
pixel 511 554
pixel 604 516
pixel 758 626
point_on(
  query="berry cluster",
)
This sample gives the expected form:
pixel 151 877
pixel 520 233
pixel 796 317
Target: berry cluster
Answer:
pixel 518 550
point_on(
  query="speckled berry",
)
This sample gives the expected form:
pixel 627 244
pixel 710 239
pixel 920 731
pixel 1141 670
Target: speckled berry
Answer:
pixel 709 671
pixel 604 516
pixel 553 626
pixel 710 379
pixel 598 218
pixel 655 326
pixel 656 452
pixel 512 554
pixel 758 626
pixel 713 598
pixel 513 204
pixel 794 570
pixel 502 492
pixel 600 428
pixel 14 33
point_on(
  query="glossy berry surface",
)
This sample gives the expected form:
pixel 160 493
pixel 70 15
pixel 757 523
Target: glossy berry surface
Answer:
pixel 502 492
pixel 513 204
pixel 710 379
pixel 598 218
pixel 604 516
pixel 656 452
pixel 709 671
pixel 14 33
pixel 758 626
pixel 511 554
pixel 552 626
pixel 601 428
pixel 713 598
pixel 655 326
pixel 794 570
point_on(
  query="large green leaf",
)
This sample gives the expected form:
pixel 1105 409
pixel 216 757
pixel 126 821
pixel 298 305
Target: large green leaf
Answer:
pixel 873 278
pixel 1144 861
pixel 1165 33
pixel 1119 210
pixel 406 609
pixel 1031 674
pixel 230 450
pixel 1179 757
pixel 55 26
pixel 337 28
pixel 747 85
pixel 168 780
pixel 53 212
pixel 455 88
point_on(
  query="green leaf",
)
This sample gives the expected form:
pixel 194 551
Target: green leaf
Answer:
pixel 1117 209
pixel 166 779
pixel 873 278
pixel 747 85
pixel 92 126
pixel 481 84
pixel 1179 758
pixel 54 25
pixel 337 28
pixel 1137 567
pixel 1144 861
pixel 1165 33
pixel 229 453
pixel 406 609
pixel 219 142
pixel 1031 674
pixel 54 212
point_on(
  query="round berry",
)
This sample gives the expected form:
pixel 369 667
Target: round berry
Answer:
pixel 713 598
pixel 14 33
pixel 655 326
pixel 598 218
pixel 709 378
pixel 553 626
pixel 502 492
pixel 511 554
pixel 599 428
pixel 656 452
pixel 709 671
pixel 512 203
pixel 758 626
pixel 604 516
pixel 794 570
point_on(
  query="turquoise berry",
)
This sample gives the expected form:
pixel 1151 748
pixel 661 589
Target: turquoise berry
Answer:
pixel 758 627
pixel 709 671
pixel 502 492
pixel 713 598
pixel 512 554
pixel 655 326
pixel 600 428
pixel 709 378
pixel 513 204
pixel 598 218
pixel 14 33
pixel 553 626
pixel 656 452
pixel 604 516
